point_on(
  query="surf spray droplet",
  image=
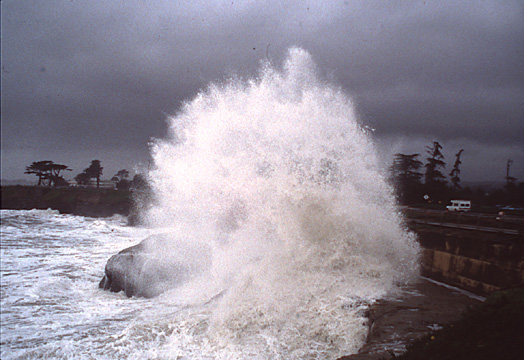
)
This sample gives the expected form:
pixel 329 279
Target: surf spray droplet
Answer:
pixel 276 178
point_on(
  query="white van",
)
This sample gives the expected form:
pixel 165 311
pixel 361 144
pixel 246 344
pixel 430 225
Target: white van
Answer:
pixel 459 205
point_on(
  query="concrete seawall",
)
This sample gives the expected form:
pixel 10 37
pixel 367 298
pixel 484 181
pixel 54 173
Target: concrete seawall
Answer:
pixel 478 262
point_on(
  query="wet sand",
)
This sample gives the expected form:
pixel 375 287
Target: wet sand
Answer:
pixel 401 318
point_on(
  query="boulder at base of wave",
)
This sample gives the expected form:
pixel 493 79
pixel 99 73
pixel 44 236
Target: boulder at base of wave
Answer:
pixel 143 271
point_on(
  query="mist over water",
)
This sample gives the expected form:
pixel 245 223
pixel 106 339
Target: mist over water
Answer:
pixel 270 191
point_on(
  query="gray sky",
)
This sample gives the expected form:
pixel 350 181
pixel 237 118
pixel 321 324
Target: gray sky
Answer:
pixel 84 80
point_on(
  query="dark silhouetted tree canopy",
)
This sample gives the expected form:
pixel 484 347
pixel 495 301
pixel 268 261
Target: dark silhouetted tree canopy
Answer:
pixel 455 172
pixel 405 174
pixel 120 179
pixel 48 170
pixel 435 162
pixel 435 181
pixel 82 179
pixel 95 171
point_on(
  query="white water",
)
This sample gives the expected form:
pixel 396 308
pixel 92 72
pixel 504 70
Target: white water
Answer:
pixel 51 306
pixel 278 187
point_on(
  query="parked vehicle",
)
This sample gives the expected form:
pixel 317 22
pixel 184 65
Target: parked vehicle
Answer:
pixel 459 205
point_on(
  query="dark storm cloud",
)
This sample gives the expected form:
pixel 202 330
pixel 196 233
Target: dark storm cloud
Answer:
pixel 434 67
pixel 103 75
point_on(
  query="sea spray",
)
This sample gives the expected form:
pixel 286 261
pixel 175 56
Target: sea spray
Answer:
pixel 275 178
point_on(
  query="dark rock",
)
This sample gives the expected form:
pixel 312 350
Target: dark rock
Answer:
pixel 143 270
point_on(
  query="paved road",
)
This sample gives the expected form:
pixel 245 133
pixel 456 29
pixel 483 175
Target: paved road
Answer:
pixel 505 224
pixel 468 227
pixel 511 218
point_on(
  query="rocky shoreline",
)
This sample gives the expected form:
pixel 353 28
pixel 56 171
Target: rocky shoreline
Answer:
pixel 414 311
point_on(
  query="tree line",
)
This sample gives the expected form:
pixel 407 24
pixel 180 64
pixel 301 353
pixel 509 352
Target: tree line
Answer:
pixel 418 182
pixel 415 181
pixel 50 174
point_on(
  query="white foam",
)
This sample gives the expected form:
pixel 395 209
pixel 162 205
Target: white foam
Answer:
pixel 278 178
pixel 271 190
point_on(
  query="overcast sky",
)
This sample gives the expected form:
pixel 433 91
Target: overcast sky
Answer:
pixel 84 80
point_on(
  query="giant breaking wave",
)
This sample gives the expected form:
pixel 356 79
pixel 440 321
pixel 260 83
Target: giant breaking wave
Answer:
pixel 292 228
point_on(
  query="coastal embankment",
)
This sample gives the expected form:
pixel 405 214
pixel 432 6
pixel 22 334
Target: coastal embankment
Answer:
pixel 84 201
pixel 476 261
pixel 443 313
pixel 480 262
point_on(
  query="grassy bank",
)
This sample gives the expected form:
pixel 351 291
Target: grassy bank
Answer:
pixel 69 200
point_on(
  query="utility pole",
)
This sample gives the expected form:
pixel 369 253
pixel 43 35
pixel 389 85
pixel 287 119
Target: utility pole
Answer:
pixel 507 171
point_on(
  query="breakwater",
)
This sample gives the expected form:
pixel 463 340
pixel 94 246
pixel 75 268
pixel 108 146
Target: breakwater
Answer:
pixel 91 202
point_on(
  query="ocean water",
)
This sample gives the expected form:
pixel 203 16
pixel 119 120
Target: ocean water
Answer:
pixel 50 303
pixel 270 191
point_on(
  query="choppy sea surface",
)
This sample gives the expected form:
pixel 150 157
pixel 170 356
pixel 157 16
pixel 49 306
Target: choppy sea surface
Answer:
pixel 51 306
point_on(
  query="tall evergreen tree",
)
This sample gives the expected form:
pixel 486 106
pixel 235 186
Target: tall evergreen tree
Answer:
pixel 455 172
pixel 434 180
pixel 406 176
